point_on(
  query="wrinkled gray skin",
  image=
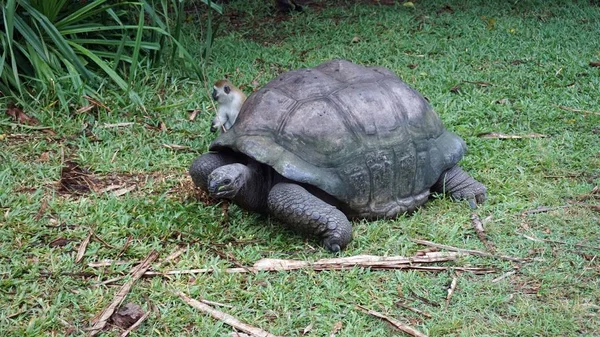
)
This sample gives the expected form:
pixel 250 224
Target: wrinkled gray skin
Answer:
pixel 315 147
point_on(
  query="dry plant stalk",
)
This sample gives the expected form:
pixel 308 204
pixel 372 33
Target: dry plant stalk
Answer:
pixel 468 251
pixel 451 289
pixel 136 273
pixel 224 317
pixel 365 261
pixel 395 323
pixel 478 226
pixel 415 310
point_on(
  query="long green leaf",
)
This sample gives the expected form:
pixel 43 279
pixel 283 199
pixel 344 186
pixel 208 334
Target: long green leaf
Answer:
pixel 136 48
pixel 144 45
pixel 31 37
pixel 82 13
pixel 105 67
pixel 57 38
pixel 8 16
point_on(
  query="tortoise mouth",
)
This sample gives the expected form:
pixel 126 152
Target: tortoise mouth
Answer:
pixel 221 188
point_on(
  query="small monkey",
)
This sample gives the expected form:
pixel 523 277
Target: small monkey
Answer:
pixel 230 101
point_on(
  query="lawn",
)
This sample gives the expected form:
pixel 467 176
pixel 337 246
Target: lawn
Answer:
pixel 115 173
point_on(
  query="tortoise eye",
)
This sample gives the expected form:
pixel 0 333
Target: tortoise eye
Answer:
pixel 227 89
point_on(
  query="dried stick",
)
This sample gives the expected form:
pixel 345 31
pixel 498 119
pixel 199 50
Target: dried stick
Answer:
pixel 562 107
pixel 365 261
pixel 468 251
pixel 580 245
pixel 503 276
pixel 474 270
pixel 478 226
pixel 174 254
pixel 136 273
pixel 542 209
pixel 451 289
pixel 415 310
pixel 224 317
pixel 397 324
pixel 83 246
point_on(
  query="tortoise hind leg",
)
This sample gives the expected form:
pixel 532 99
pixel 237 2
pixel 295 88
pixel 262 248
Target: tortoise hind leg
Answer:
pixel 303 212
pixel 205 164
pixel 460 185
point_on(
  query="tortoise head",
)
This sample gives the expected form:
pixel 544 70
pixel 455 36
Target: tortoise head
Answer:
pixel 226 181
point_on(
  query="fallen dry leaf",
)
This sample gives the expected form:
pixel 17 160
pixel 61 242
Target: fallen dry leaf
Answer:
pixel 96 103
pixel 193 114
pixel 76 180
pixel 355 39
pixel 307 329
pixel 412 66
pixel 42 210
pixel 594 64
pixel 445 9
pixel 455 89
pixel 123 191
pixel 336 328
pixel 176 147
pixel 59 242
pixel 83 109
pixel 497 135
pixel 127 315
pixel 44 157
pixel 20 116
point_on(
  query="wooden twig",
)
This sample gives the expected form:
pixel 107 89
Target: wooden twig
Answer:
pixel 364 261
pixel 216 304
pixel 478 227
pixel 224 317
pixel 468 251
pixel 505 275
pixel 116 125
pixel 174 254
pixel 562 107
pixel 395 323
pixel 580 245
pixel 451 289
pixel 542 209
pixel 136 324
pixel 83 246
pixel 107 263
pixel 125 246
pixel 415 310
pixel 137 272
pixel 423 299
pixel 474 270
pixel 231 259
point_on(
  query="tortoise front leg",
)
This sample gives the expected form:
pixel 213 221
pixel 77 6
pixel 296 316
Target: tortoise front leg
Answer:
pixel 460 185
pixel 205 164
pixel 304 212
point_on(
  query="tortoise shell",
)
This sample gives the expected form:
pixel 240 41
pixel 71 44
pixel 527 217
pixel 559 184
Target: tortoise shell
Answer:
pixel 358 133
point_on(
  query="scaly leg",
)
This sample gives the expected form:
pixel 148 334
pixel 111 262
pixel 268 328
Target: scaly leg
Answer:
pixel 304 212
pixel 460 185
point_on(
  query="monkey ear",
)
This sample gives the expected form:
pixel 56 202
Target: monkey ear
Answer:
pixel 227 89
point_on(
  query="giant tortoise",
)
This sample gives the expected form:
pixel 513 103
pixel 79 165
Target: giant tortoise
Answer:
pixel 315 147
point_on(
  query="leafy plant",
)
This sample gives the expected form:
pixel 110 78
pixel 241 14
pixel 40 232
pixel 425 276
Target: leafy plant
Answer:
pixel 49 44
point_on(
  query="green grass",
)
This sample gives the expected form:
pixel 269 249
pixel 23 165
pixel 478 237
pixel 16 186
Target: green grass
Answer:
pixel 42 291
